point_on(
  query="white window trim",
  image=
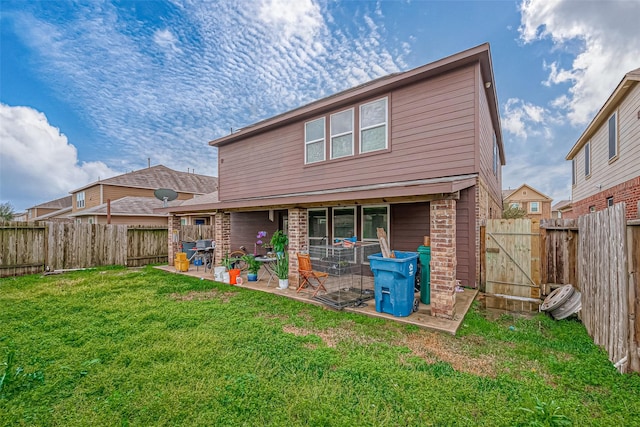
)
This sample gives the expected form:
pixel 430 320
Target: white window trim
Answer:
pixel 495 154
pixel 587 164
pixel 80 200
pixel 323 139
pixel 362 222
pixel 337 135
pixel 326 225
pixel 385 123
pixel 537 207
pixel 615 154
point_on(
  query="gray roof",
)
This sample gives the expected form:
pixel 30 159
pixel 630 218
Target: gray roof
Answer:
pixel 53 214
pixel 61 203
pixel 561 204
pixel 199 200
pixel 161 177
pixel 129 206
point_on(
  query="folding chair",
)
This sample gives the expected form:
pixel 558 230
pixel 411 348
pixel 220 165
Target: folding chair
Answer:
pixel 306 275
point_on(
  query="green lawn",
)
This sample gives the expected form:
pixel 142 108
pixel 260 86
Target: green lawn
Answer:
pixel 146 347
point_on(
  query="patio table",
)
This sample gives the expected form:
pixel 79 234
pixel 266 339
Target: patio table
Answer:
pixel 269 264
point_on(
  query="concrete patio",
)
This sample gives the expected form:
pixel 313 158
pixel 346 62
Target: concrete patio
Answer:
pixel 421 318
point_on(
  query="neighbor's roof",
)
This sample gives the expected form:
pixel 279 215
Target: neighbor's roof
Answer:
pixel 128 206
pixel 53 214
pixel 480 54
pixel 561 204
pixel 624 87
pixel 160 177
pixel 61 203
pixel 512 192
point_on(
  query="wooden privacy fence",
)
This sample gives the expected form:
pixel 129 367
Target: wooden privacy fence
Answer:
pixel 27 248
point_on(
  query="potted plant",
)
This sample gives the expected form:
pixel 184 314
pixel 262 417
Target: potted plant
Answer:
pixel 279 241
pixel 229 264
pixel 281 269
pixel 253 266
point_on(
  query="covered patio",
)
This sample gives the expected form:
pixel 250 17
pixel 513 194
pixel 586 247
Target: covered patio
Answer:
pixel 422 318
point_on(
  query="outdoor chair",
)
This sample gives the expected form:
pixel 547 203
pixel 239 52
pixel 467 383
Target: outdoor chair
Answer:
pixel 308 277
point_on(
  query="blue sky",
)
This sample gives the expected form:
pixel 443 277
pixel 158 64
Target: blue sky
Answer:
pixel 89 90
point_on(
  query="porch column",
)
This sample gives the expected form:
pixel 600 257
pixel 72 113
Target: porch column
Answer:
pixel 443 258
pixel 174 237
pixel 222 234
pixel 297 237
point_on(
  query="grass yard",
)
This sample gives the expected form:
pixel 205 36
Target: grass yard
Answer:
pixel 150 348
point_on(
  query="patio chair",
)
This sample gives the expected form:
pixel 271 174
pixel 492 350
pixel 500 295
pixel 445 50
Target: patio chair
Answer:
pixel 307 275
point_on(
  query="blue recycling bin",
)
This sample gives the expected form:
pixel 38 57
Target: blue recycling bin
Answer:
pixel 394 282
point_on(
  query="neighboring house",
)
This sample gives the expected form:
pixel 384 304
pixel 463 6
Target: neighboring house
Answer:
pixel 416 153
pixel 54 210
pixel 605 160
pixel 535 204
pixel 129 198
pixel 562 209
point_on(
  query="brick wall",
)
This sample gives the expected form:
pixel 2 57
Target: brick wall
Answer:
pixel 174 237
pixel 443 258
pixel 222 232
pixel 297 238
pixel 628 192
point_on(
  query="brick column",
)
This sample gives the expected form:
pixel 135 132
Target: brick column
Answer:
pixel 174 237
pixel 222 233
pixel 297 238
pixel 443 258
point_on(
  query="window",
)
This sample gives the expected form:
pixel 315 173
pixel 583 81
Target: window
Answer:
pixel 90 220
pixel 609 201
pixel 373 126
pixel 495 155
pixel 587 159
pixel 514 205
pixel 80 200
pixel 613 136
pixel 317 226
pixel 183 221
pixel 534 207
pixel 344 223
pixel 342 134
pixel 592 208
pixel 573 171
pixel 374 217
pixel 314 141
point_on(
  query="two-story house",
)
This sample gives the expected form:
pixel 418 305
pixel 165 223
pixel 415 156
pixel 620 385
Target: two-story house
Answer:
pixel 53 210
pixel 535 204
pixel 605 161
pixel 129 198
pixel 416 153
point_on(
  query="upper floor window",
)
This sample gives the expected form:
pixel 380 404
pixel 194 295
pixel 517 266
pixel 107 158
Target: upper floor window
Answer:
pixel 613 136
pixel 534 207
pixel 80 200
pixel 342 134
pixel 314 141
pixel 514 205
pixel 573 171
pixel 373 126
pixel 587 159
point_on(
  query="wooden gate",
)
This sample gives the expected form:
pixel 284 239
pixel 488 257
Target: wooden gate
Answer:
pixel 512 264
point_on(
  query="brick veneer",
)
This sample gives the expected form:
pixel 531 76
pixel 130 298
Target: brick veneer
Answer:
pixel 174 243
pixel 297 238
pixel 628 192
pixel 222 233
pixel 443 258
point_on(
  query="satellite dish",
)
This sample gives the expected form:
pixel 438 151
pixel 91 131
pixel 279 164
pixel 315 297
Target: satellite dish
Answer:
pixel 166 195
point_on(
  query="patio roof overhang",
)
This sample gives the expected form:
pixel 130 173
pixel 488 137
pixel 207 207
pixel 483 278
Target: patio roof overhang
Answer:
pixel 392 192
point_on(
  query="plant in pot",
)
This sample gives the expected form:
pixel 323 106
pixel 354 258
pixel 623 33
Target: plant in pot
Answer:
pixel 281 269
pixel 279 241
pixel 229 263
pixel 253 266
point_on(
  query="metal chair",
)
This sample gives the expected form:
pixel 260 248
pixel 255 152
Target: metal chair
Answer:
pixel 306 275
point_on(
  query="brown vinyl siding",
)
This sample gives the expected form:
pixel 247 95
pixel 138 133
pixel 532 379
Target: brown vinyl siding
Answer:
pixel 466 237
pixel 485 146
pixel 409 224
pixel 132 220
pixel 431 134
pixel 245 227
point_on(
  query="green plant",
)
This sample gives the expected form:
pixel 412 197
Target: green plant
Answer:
pixel 253 265
pixel 512 212
pixel 227 261
pixel 279 241
pixel 282 266
pixel 546 414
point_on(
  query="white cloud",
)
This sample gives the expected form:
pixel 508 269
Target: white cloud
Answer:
pixel 605 34
pixel 167 41
pixel 299 18
pixel 38 163
pixel 524 119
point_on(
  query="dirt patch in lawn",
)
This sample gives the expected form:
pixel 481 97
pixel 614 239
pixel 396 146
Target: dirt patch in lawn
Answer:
pixel 430 346
pixel 203 295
